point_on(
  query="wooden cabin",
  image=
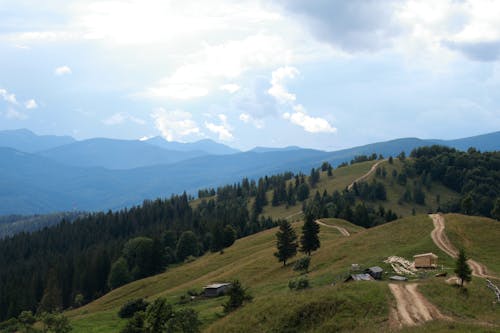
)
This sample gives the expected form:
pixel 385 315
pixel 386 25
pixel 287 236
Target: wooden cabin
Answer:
pixel 426 260
pixel 216 289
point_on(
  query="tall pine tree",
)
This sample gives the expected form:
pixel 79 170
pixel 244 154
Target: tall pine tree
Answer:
pixel 462 268
pixel 309 241
pixel 286 242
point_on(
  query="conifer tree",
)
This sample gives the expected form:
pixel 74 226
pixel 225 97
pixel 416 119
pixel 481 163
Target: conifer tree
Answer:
pixel 286 242
pixel 309 241
pixel 462 269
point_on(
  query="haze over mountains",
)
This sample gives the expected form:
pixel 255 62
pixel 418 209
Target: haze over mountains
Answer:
pixel 40 174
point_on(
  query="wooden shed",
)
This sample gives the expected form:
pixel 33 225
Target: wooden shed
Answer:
pixel 216 289
pixel 426 260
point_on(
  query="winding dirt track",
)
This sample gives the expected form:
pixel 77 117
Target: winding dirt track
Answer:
pixel 366 175
pixel 412 308
pixel 292 215
pixel 439 237
pixel 342 230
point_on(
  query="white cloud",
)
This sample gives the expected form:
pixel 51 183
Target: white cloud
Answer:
pixel 278 90
pixel 14 114
pixel 223 130
pixel 120 118
pixel 310 124
pixel 8 97
pixel 249 119
pixel 299 115
pixel 175 124
pixel 62 70
pixel 230 88
pixel 145 138
pixel 30 104
pixel 215 64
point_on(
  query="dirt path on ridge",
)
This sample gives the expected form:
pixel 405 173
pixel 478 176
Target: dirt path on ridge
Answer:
pixel 366 175
pixel 412 308
pixel 342 230
pixel 292 215
pixel 441 240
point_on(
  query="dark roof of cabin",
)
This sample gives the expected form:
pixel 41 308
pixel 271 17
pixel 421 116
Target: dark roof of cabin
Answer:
pixel 376 269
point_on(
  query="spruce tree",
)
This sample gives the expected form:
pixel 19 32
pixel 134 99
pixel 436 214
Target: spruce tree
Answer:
pixel 286 242
pixel 309 241
pixel 462 268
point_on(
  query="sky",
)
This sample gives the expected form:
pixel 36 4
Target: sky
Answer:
pixel 325 74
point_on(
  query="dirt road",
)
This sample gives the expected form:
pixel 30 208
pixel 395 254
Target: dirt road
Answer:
pixel 412 308
pixel 366 175
pixel 292 215
pixel 439 237
pixel 342 230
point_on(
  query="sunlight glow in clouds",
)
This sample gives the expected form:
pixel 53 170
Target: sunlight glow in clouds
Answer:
pixel 240 57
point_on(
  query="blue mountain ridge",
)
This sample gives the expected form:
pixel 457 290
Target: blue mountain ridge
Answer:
pixel 30 183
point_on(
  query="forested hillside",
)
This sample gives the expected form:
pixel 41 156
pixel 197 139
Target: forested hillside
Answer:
pixel 74 263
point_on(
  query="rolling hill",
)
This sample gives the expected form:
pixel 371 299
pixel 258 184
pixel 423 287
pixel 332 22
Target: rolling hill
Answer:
pixel 343 307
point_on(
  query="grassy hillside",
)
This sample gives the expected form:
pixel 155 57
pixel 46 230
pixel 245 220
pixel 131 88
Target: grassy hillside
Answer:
pixel 395 192
pixel 343 177
pixel 360 307
pixel 479 243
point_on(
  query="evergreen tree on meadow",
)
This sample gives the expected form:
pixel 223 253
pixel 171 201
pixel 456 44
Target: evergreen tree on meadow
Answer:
pixel 462 268
pixel 286 242
pixel 309 241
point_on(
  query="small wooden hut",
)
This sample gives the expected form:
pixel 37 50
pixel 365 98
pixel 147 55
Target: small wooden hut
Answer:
pixel 216 289
pixel 426 260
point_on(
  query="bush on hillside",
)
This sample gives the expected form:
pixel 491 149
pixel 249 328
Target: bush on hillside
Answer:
pixel 302 264
pixel 299 284
pixel 131 307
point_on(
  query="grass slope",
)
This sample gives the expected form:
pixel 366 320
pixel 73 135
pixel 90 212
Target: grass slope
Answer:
pixel 343 177
pixel 357 307
pixel 395 192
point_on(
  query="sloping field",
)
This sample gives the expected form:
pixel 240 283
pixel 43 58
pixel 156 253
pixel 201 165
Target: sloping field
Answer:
pixel 356 306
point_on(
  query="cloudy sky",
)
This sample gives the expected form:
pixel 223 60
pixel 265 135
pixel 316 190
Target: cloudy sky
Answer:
pixel 321 73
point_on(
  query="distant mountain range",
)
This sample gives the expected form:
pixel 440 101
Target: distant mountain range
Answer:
pixel 208 146
pixel 101 174
pixel 27 141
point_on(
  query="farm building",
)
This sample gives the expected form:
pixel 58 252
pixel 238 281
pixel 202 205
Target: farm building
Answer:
pixel 426 260
pixel 216 289
pixel 375 272
pixel 359 277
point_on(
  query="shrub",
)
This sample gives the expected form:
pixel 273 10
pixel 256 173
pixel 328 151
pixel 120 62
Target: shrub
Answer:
pixel 131 307
pixel 299 284
pixel 237 295
pixel 302 264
